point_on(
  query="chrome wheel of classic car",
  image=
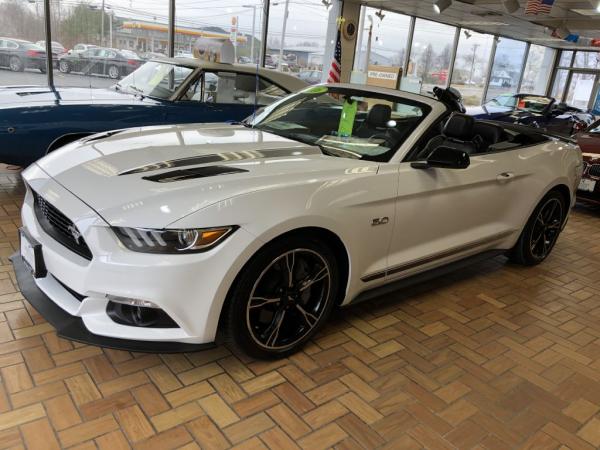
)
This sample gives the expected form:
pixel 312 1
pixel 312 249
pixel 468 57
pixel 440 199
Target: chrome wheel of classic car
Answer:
pixel 113 72
pixel 64 67
pixel 15 64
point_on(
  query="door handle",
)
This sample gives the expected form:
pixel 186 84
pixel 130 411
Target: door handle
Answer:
pixel 505 176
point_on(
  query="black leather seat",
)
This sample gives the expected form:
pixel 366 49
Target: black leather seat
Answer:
pixel 457 133
pixel 486 134
pixel 376 121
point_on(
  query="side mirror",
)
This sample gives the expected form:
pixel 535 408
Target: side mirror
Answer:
pixel 444 158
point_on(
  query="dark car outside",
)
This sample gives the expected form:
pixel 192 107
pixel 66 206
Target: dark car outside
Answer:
pixel 18 55
pixel 589 143
pixel 536 111
pixel 57 48
pixel 101 61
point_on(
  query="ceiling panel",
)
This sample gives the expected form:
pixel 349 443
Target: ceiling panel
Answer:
pixel 489 16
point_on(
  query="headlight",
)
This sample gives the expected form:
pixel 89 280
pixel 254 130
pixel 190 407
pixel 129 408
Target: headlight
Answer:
pixel 172 241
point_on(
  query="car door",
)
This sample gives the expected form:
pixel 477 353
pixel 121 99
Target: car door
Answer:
pixel 447 214
pixel 3 54
pixel 215 97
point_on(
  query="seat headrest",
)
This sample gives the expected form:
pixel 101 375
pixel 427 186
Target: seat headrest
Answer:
pixel 379 116
pixel 245 83
pixel 459 126
pixel 490 133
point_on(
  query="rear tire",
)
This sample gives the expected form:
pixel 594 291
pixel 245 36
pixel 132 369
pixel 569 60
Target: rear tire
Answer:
pixel 114 73
pixel 272 314
pixel 64 66
pixel 15 64
pixel 541 232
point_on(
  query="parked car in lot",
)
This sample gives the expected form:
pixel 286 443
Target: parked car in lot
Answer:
pixel 35 120
pixel 80 48
pixel 534 110
pixel 18 55
pixel 101 61
pixel 311 76
pixel 589 142
pixel 152 238
pixel 57 48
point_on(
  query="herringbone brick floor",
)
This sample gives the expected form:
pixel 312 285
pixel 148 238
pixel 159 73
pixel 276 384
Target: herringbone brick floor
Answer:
pixel 496 357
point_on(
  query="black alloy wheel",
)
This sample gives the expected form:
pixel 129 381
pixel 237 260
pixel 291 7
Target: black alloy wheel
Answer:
pixel 546 228
pixel 283 296
pixel 541 232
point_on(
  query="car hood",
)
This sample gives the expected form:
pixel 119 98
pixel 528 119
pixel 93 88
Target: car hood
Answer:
pixel 154 176
pixel 19 96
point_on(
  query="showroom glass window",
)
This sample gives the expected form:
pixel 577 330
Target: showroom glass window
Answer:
pixel 389 42
pixel 97 48
pixel 21 60
pixel 300 50
pixel 565 58
pixel 471 65
pixel 560 83
pixel 538 69
pixel 507 67
pixel 431 54
pixel 205 27
pixel 587 60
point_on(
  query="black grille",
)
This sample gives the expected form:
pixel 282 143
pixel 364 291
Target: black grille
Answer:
pixel 57 225
pixel 594 170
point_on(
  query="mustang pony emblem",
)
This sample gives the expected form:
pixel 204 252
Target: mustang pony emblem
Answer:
pixel 75 233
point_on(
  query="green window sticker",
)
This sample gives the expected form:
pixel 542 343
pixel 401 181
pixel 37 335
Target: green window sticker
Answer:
pixel 347 119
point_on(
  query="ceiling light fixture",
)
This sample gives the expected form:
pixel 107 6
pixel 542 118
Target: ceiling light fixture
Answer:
pixel 511 6
pixel 598 7
pixel 467 34
pixel 440 5
pixel 380 14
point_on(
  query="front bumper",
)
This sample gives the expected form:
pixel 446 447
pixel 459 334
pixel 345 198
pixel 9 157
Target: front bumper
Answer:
pixel 72 327
pixel 189 289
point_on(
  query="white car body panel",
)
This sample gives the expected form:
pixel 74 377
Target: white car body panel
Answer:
pixel 434 216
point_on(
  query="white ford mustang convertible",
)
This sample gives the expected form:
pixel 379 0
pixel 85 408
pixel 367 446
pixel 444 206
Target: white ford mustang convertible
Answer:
pixel 154 238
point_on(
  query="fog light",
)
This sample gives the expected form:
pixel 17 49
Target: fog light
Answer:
pixel 131 301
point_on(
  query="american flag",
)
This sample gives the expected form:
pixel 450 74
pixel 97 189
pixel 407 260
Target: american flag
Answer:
pixel 539 7
pixel 335 72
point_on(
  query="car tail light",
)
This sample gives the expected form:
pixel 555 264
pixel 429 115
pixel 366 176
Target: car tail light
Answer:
pixel 132 62
pixel 34 53
pixel 579 126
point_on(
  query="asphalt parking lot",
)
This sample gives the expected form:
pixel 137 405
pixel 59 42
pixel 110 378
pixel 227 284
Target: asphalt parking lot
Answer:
pixel 8 78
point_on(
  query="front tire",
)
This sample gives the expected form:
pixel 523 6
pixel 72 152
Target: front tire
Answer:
pixel 541 232
pixel 282 297
pixel 15 64
pixel 64 66
pixel 113 72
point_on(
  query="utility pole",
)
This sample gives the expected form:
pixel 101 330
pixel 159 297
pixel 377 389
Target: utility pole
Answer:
pixel 102 26
pixel 475 47
pixel 368 55
pixel 285 18
pixel 253 29
pixel 110 27
pixel 171 42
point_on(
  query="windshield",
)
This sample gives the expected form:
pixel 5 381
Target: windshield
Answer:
pixel 155 79
pixel 344 122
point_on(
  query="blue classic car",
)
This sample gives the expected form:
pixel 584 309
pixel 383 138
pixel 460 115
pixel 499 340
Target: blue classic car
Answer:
pixel 534 110
pixel 35 120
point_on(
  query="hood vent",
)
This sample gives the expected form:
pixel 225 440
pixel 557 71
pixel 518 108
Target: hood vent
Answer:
pixel 193 173
pixel 222 157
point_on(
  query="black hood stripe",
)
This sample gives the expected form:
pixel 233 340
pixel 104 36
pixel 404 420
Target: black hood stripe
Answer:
pixel 222 157
pixel 193 173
